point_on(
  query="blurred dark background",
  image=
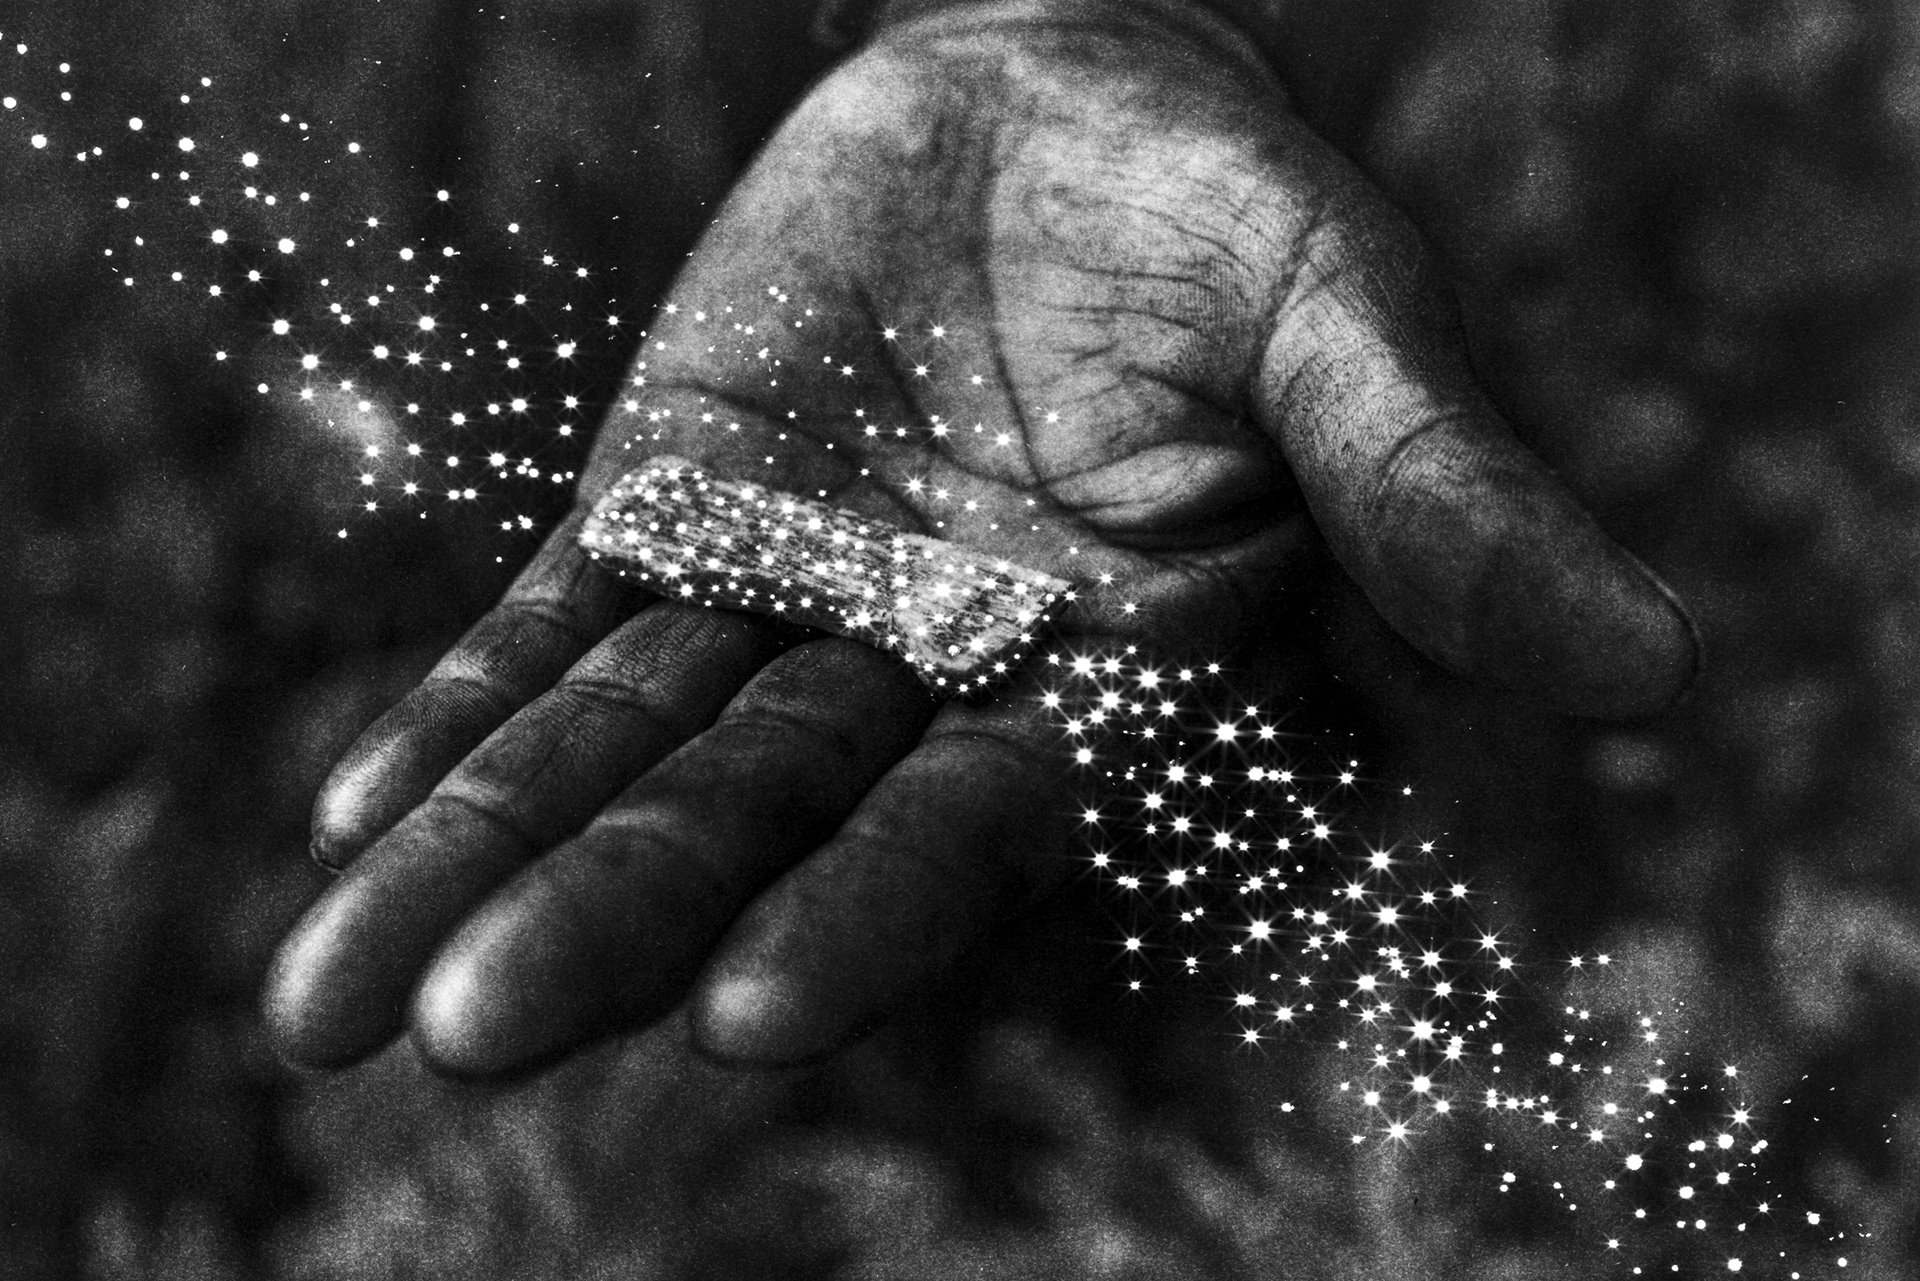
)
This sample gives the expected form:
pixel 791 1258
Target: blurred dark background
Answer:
pixel 1684 237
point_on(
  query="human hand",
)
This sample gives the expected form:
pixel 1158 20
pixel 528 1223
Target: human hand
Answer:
pixel 1204 345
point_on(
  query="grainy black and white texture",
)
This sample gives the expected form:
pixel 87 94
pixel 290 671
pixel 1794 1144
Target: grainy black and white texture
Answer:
pixel 960 620
pixel 1684 242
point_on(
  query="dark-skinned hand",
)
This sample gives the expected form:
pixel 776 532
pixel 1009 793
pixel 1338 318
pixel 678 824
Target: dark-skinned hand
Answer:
pixel 1208 349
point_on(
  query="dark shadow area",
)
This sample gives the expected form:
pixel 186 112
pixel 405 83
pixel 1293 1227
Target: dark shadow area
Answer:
pixel 1684 241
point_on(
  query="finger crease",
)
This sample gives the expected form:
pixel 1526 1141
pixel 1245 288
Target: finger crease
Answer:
pixel 842 744
pixel 1392 483
pixel 611 695
pixel 527 841
pixel 554 617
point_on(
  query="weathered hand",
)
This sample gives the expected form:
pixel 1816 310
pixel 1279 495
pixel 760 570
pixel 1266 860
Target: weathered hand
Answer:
pixel 1204 345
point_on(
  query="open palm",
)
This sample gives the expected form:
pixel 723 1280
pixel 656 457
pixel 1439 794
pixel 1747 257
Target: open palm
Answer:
pixel 1182 346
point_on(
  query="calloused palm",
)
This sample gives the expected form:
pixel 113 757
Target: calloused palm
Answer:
pixel 1203 346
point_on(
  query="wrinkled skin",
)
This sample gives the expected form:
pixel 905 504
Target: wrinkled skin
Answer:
pixel 1213 349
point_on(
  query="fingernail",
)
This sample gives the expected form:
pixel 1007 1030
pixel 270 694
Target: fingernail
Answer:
pixel 1699 641
pixel 1686 682
pixel 337 826
pixel 326 855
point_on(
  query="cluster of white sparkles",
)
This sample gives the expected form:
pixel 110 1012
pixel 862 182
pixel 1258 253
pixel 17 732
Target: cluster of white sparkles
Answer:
pixel 1230 861
pixel 962 621
pixel 450 395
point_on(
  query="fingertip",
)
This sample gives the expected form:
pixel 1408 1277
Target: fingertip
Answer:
pixel 502 996
pixel 1661 671
pixel 451 1023
pixel 306 1023
pixel 385 774
pixel 1614 645
pixel 283 997
pixel 340 827
pixel 756 1020
pixel 1482 558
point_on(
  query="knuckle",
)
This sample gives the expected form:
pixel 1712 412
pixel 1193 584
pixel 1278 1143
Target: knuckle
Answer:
pixel 790 730
pixel 511 648
pixel 465 797
pixel 558 617
pixel 457 691
pixel 589 699
pixel 664 838
pixel 1431 458
pixel 994 740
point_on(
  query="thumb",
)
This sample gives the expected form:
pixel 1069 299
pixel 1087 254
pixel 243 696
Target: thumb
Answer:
pixel 1463 540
